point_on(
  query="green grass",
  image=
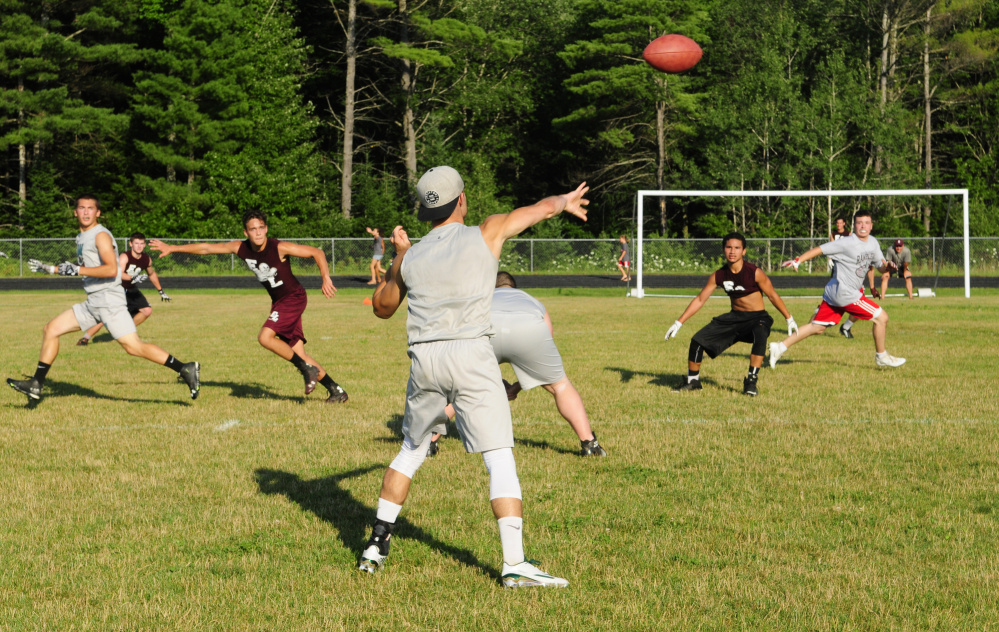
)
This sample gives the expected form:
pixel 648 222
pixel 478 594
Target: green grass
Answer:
pixel 842 498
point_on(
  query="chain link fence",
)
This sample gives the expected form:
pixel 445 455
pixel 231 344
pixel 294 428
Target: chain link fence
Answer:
pixel 352 256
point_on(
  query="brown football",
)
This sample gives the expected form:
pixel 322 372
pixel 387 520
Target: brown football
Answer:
pixel 672 53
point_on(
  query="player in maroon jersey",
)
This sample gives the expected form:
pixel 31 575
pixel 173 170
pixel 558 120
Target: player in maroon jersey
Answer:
pixel 748 321
pixel 136 267
pixel 268 259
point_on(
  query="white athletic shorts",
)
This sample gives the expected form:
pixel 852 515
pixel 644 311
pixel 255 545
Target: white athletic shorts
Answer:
pixel 531 352
pixel 106 306
pixel 463 373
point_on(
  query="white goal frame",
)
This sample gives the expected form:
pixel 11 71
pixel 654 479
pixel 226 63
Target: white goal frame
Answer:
pixel 639 290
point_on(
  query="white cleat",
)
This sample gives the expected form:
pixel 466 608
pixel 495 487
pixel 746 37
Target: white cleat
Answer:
pixel 371 560
pixel 775 353
pixel 888 360
pixel 526 574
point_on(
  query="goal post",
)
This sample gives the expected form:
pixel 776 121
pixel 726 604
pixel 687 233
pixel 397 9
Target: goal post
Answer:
pixel 639 290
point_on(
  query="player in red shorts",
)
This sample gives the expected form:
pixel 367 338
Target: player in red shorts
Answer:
pixel 268 259
pixel 844 293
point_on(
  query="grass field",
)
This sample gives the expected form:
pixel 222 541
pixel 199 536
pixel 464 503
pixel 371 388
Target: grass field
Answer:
pixel 844 497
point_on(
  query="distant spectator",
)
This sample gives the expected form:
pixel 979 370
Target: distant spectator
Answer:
pixel 377 252
pixel 901 256
pixel 624 259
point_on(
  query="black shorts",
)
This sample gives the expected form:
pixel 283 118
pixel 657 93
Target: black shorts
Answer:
pixel 726 330
pixel 135 301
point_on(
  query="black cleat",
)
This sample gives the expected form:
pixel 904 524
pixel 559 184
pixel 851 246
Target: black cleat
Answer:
pixel 30 387
pixel 311 375
pixel 846 333
pixel 191 374
pixel 591 447
pixel 337 396
pixel 83 342
pixel 749 387
pixel 434 447
pixel 693 385
pixel 377 548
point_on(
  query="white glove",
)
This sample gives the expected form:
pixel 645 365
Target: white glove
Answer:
pixel 37 266
pixel 164 296
pixel 792 327
pixel 68 269
pixel 673 330
pixel 793 263
pixel 140 278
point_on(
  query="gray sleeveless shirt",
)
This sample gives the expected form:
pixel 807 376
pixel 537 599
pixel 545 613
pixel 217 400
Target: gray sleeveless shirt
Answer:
pixel 450 275
pixel 87 255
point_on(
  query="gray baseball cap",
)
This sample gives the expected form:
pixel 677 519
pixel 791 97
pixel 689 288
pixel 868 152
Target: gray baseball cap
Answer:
pixel 438 190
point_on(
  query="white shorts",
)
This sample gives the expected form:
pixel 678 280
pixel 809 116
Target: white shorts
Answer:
pixel 463 373
pixel 531 352
pixel 109 307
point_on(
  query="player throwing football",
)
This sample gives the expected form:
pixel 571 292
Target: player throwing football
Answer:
pixel 844 293
pixel 748 321
pixel 267 258
pixel 97 260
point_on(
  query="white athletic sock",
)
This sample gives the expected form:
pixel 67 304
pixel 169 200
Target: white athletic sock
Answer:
pixel 387 511
pixel 882 354
pixel 847 325
pixel 782 347
pixel 511 532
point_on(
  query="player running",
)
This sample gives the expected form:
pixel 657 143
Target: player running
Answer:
pixel 268 259
pixel 449 276
pixel 97 260
pixel 136 267
pixel 748 321
pixel 844 293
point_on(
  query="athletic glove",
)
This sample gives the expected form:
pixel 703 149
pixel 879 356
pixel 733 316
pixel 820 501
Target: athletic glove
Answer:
pixel 672 331
pixel 68 269
pixel 140 278
pixel 792 327
pixel 793 263
pixel 37 266
pixel 164 296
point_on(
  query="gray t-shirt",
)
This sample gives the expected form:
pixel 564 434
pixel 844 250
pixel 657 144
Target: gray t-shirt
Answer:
pixel 449 275
pixel 851 258
pixel 379 247
pixel 898 258
pixel 513 308
pixel 625 253
pixel 87 255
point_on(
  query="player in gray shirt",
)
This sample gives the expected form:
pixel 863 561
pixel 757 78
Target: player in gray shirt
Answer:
pixel 901 256
pixel 844 294
pixel 97 262
pixel 449 277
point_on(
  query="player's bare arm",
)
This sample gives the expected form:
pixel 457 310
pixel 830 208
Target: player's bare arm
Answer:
pixel 496 229
pixel 286 249
pixel 767 287
pixel 695 305
pixel 222 248
pixel 390 292
pixel 797 261
pixel 123 264
pixel 109 265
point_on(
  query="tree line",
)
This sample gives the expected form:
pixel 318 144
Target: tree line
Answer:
pixel 181 114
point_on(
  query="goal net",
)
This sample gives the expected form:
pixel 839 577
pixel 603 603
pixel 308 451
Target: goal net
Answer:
pixel 641 291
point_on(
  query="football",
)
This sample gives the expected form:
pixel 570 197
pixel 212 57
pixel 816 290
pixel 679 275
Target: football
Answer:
pixel 672 53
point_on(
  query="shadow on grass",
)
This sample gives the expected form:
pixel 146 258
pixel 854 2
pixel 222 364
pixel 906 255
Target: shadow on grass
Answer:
pixel 544 445
pixel 253 390
pixel 66 389
pixel 671 380
pixel 351 518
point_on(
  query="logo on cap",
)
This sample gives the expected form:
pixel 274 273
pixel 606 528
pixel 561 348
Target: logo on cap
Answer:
pixel 432 197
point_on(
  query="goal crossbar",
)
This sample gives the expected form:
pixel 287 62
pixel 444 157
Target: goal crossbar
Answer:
pixel 639 290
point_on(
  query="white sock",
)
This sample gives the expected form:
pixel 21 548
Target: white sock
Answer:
pixel 511 532
pixel 847 325
pixel 387 511
pixel 882 354
pixel 782 347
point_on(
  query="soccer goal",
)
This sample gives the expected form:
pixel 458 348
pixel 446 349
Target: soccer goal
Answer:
pixel 640 292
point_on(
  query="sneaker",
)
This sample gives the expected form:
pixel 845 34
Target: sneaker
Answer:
pixel 775 354
pixel 526 574
pixel 846 333
pixel 29 387
pixel 337 396
pixel 693 385
pixel 83 342
pixel 591 447
pixel 377 549
pixel 311 375
pixel 434 447
pixel 749 387
pixel 887 360
pixel 191 374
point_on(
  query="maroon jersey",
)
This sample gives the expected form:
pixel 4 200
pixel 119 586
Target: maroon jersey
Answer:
pixel 275 275
pixel 738 285
pixel 135 267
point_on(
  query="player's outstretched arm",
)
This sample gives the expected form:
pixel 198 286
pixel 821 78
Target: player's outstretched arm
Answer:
pixel 797 261
pixel 205 248
pixel 286 248
pixel 695 304
pixel 767 288
pixel 390 292
pixel 496 229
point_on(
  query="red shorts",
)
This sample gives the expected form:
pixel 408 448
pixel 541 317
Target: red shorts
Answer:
pixel 286 318
pixel 829 315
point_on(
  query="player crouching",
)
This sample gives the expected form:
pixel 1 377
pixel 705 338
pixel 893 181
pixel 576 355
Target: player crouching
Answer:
pixel 748 321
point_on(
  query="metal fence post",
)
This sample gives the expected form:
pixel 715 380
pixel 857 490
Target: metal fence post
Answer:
pixel 332 256
pixel 20 257
pixel 532 255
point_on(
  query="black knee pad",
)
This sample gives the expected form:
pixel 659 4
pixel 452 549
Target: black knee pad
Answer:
pixel 696 353
pixel 760 334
